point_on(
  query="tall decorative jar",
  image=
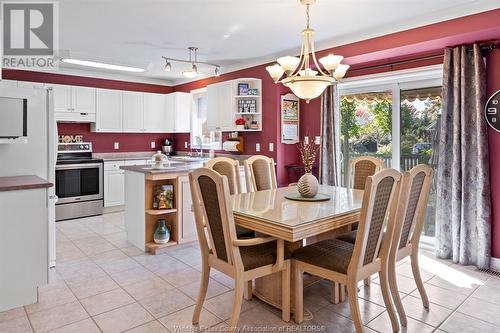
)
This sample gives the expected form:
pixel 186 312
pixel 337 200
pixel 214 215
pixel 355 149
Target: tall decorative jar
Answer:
pixel 162 233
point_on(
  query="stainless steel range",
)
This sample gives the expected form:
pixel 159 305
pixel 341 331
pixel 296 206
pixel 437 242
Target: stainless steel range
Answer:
pixel 79 181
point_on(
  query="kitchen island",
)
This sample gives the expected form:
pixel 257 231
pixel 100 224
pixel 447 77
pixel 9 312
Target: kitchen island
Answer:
pixel 141 218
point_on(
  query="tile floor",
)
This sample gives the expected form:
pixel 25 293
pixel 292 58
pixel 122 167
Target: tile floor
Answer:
pixel 103 284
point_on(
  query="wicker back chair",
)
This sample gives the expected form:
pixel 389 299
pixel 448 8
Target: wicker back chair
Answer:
pixel 231 169
pixel 410 219
pixel 260 173
pixel 241 259
pixel 345 263
pixel 360 168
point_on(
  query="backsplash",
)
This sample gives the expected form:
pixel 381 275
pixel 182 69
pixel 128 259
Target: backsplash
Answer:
pixel 104 142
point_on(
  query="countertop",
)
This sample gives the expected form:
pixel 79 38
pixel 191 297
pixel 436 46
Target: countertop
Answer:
pixel 124 156
pixel 28 182
pixel 174 168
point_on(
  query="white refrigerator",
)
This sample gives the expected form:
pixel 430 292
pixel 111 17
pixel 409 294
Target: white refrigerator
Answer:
pixel 37 154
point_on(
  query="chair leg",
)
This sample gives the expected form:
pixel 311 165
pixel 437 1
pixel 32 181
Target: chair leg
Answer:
pixel 285 292
pixel 335 293
pixel 205 274
pixel 367 281
pixel 247 294
pixel 352 290
pixel 418 279
pixel 393 286
pixel 384 285
pixel 342 292
pixel 239 287
pixel 299 293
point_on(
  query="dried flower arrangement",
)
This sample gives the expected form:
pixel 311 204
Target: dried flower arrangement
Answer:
pixel 308 152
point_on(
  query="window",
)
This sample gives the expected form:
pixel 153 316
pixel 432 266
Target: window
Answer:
pixel 199 130
pixel 393 118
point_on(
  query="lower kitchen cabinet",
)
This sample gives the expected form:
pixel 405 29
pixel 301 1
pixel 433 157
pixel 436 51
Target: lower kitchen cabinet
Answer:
pixel 187 219
pixel 114 184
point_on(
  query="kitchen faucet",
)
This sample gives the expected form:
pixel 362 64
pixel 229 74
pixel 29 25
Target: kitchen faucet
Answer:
pixel 199 143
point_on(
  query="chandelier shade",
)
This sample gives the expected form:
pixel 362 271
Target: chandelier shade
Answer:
pixel 305 82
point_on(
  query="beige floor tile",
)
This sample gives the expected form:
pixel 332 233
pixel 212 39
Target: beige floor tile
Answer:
pixel 118 239
pixel 132 276
pixel 182 277
pixel 91 287
pixel 151 327
pixel 456 285
pixel 373 293
pixel 443 297
pixel 58 316
pixel 488 293
pixel 224 279
pixel 108 256
pixel 405 284
pixel 131 251
pixel 165 265
pixel 214 289
pixel 51 297
pixel 106 301
pixel 16 325
pixel 367 309
pixel 94 246
pixel 68 251
pixel 434 316
pixel 332 322
pixel 166 302
pixel 405 270
pixel 124 318
pixel 84 326
pixel 180 321
pixel 147 288
pixel 104 229
pixel 459 322
pixel 259 319
pixel 482 310
pixel 120 265
pixel 317 295
pixel 12 314
pixel 79 270
pixel 383 324
pixel 222 305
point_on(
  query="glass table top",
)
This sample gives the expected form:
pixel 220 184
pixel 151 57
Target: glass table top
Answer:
pixel 273 207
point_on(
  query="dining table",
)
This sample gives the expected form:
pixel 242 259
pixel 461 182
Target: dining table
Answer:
pixel 298 223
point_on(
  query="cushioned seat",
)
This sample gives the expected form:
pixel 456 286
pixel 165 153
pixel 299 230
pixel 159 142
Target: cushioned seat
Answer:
pixel 244 232
pixel 332 254
pixel 258 255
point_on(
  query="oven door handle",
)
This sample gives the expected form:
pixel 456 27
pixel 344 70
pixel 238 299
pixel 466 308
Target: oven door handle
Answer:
pixel 78 166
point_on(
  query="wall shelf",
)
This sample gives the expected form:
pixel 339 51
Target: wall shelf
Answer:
pixel 153 247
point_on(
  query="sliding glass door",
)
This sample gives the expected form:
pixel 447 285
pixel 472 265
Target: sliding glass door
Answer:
pixel 396 122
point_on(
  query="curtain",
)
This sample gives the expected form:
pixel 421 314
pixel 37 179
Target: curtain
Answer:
pixel 329 168
pixel 463 204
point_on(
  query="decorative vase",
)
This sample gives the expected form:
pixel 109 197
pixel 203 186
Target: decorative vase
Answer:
pixel 308 185
pixel 162 233
pixel 240 127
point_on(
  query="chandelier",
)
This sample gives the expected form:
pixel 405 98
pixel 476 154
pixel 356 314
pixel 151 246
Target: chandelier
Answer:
pixel 305 82
pixel 193 60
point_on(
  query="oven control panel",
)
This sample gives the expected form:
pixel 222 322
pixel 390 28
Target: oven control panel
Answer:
pixel 77 147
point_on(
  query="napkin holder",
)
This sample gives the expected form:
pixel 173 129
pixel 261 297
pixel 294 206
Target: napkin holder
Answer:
pixel 235 145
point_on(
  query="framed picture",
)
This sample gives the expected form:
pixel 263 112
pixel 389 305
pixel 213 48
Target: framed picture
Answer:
pixel 242 89
pixel 290 119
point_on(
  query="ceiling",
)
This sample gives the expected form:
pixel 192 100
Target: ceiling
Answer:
pixel 232 33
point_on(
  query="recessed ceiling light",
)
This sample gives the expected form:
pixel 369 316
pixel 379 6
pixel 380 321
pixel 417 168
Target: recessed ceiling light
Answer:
pixel 226 36
pixel 103 65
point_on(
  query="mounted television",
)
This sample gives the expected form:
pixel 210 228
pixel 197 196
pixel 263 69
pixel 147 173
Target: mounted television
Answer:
pixel 13 117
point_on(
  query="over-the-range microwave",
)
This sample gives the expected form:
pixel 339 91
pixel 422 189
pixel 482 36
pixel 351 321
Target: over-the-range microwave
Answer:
pixel 13 117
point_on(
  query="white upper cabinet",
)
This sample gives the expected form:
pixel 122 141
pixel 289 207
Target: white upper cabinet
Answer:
pixel 83 99
pixel 182 107
pixel 133 111
pixel 220 98
pixel 155 115
pixel 178 108
pixel 109 111
pixel 76 104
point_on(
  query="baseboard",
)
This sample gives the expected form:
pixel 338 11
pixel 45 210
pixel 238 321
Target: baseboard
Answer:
pixel 113 209
pixel 495 263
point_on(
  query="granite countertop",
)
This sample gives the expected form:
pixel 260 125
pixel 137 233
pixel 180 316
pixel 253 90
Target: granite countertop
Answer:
pixel 28 182
pixel 174 168
pixel 145 155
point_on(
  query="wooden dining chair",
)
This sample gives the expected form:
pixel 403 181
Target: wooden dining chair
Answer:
pixel 231 169
pixel 259 173
pixel 360 168
pixel 410 218
pixel 345 263
pixel 241 259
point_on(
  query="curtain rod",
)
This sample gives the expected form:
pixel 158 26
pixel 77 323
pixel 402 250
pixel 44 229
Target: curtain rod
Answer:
pixel 484 47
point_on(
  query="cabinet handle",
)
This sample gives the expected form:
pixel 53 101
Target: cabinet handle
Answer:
pixel 83 113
